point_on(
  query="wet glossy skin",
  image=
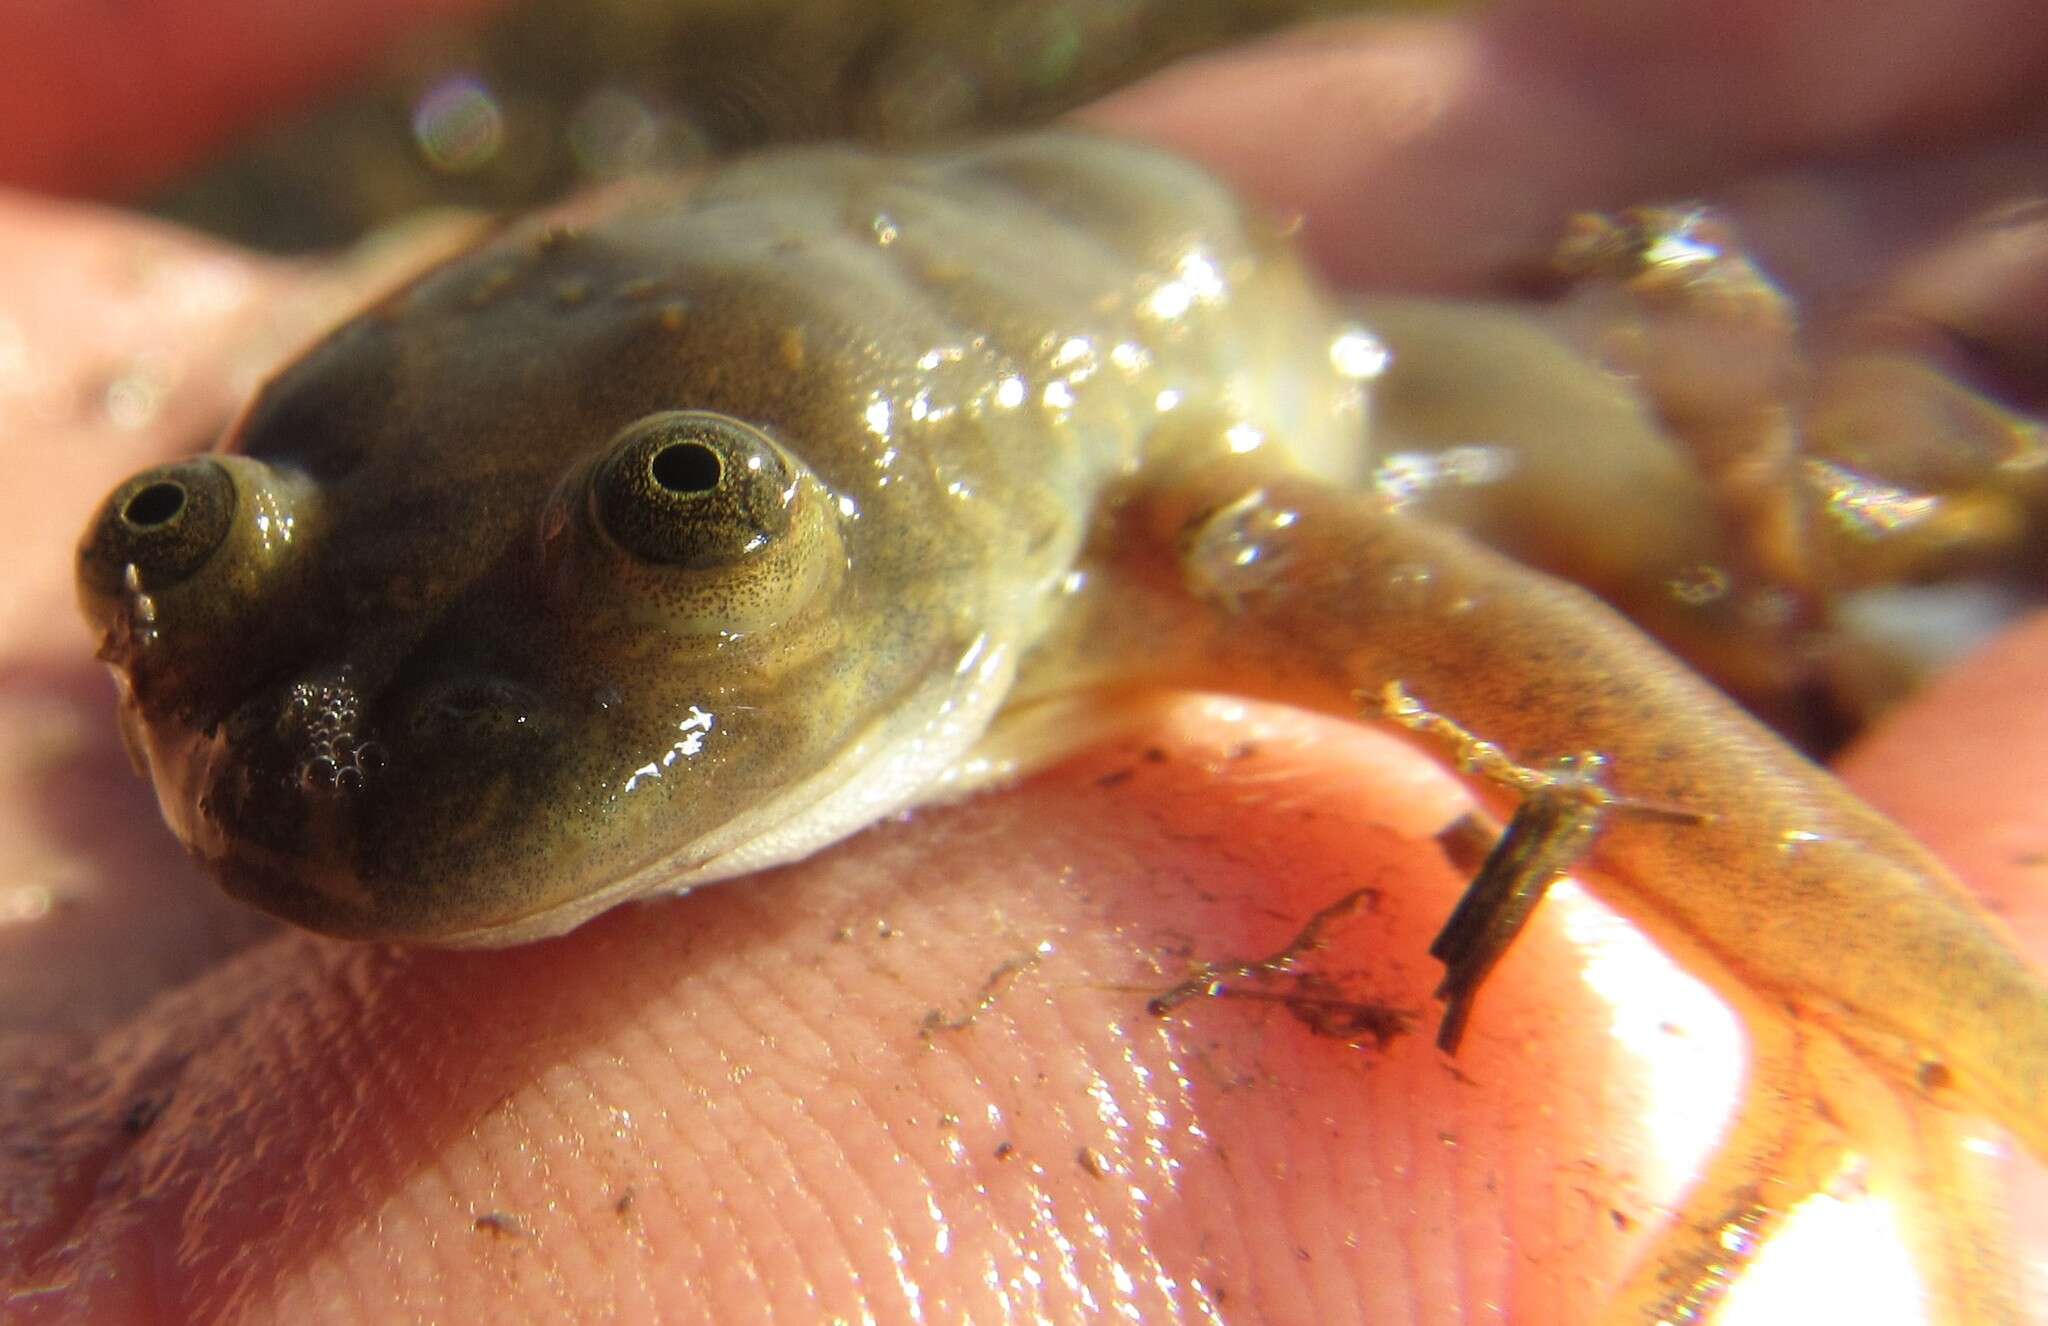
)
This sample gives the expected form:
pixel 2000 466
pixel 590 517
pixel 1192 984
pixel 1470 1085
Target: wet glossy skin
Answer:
pixel 440 700
pixel 685 533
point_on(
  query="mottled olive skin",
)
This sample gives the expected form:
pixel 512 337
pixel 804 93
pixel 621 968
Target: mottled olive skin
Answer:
pixel 438 700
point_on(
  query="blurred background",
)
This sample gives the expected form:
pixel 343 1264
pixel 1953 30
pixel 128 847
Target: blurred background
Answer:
pixel 545 95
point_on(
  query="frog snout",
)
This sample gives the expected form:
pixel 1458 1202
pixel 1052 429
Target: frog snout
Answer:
pixel 325 798
pixel 477 713
pixel 307 742
pixel 286 776
pixel 326 737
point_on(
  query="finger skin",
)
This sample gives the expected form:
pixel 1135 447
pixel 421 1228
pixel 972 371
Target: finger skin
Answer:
pixel 303 1128
pixel 258 1106
pixel 313 1129
pixel 122 343
pixel 732 1106
pixel 1959 767
pixel 108 100
pixel 1962 767
pixel 1446 155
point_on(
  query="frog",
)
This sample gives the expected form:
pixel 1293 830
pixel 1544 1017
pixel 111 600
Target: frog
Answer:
pixel 693 525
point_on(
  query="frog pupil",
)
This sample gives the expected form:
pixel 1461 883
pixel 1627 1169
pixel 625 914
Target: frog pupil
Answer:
pixel 686 467
pixel 156 505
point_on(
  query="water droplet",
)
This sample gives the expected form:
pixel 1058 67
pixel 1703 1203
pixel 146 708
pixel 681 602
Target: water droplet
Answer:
pixel 1359 355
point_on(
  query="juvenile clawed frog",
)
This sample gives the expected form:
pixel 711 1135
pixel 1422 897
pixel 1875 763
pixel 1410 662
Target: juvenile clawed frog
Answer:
pixel 691 527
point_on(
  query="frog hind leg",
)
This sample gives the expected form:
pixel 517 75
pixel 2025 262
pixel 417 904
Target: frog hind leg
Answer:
pixel 1232 574
pixel 1815 1121
pixel 1786 1140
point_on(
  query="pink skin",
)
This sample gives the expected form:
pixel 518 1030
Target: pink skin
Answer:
pixel 724 1106
pixel 110 99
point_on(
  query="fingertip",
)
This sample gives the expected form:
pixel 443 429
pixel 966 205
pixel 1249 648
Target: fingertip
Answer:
pixel 1961 766
pixel 107 100
pixel 1416 157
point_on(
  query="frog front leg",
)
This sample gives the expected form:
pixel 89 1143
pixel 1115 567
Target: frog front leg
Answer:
pixel 1875 989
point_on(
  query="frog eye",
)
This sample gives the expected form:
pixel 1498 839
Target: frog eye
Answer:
pixel 165 522
pixel 692 489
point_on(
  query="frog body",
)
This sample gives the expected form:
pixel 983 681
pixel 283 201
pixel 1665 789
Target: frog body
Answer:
pixel 953 398
pixel 695 525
